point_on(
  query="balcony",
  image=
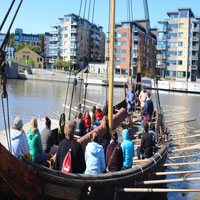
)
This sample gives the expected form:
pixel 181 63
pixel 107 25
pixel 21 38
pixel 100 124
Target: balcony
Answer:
pixel 53 39
pixel 195 38
pixel 194 67
pixel 135 55
pixel 160 66
pixel 194 57
pixel 74 24
pixel 161 57
pixel 163 47
pixel 195 48
pixel 195 29
pixel 74 30
pixel 54 32
pixel 136 38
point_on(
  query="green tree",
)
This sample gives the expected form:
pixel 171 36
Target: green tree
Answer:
pixel 19 46
pixel 61 64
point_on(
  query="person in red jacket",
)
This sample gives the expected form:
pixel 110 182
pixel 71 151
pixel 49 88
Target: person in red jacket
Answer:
pixel 99 115
pixel 87 122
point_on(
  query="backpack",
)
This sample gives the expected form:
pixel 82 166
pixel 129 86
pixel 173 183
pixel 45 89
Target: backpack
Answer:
pixel 67 166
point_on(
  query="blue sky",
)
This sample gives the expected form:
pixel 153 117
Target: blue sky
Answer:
pixel 37 16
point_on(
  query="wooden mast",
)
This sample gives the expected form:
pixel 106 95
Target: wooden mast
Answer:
pixel 139 68
pixel 111 67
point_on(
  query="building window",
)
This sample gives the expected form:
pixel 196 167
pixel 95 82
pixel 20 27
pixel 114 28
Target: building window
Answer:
pixel 66 28
pixel 172 44
pixel 124 35
pixel 61 21
pixel 172 35
pixel 181 74
pixel 65 43
pixel 124 43
pixel 117 43
pixel 123 51
pixel 66 35
pixel 38 59
pixel 171 26
pixel 171 62
pixel 180 53
pixel 173 16
pixel 184 14
pixel 181 25
pixel 118 35
pixel 180 62
pixel 67 18
pixel 65 50
pixel 171 53
pixel 126 25
pixel 117 59
pixel 123 60
pixel 180 44
pixel 117 51
pixel 180 34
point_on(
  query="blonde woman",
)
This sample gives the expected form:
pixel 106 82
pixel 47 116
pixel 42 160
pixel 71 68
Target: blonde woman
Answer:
pixel 35 144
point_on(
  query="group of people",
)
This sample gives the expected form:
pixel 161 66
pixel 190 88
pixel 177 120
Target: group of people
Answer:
pixel 146 112
pixel 35 145
pixel 95 160
pixel 90 120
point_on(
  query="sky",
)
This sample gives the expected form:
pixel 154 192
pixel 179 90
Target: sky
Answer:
pixel 38 16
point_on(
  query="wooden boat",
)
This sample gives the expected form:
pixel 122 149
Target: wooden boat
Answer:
pixel 23 179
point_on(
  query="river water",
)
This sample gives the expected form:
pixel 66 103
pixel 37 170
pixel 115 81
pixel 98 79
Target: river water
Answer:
pixel 32 98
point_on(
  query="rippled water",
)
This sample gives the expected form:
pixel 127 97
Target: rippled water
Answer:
pixel 29 99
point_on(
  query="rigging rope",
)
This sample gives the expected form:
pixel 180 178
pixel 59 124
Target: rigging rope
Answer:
pixel 131 9
pixel 80 8
pixel 93 11
pixel 89 11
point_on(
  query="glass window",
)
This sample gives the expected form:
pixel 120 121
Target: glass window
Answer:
pixel 180 53
pixel 61 21
pixel 180 34
pixel 117 51
pixel 117 43
pixel 124 35
pixel 180 44
pixel 171 53
pixel 184 14
pixel 66 28
pixel 65 43
pixel 117 59
pixel 172 35
pixel 67 18
pixel 180 62
pixel 181 74
pixel 123 60
pixel 126 25
pixel 118 35
pixel 173 16
pixel 65 50
pixel 171 26
pixel 123 51
pixel 66 35
pixel 181 25
pixel 124 43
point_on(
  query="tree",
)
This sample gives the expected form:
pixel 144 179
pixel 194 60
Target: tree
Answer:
pixel 30 46
pixel 61 64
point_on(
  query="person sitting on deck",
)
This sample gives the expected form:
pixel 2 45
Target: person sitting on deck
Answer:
pixel 19 142
pixel 93 115
pixel 142 97
pixel 148 108
pixel 147 143
pixel 35 144
pixel 114 155
pixel 94 156
pixel 47 139
pixel 130 98
pixel 127 149
pixel 87 122
pixel 79 125
pixel 77 156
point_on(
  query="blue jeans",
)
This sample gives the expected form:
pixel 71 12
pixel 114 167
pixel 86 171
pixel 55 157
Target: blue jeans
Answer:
pixel 139 153
pixel 42 159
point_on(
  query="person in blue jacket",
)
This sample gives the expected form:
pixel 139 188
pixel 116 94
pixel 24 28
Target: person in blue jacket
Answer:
pixel 130 99
pixel 94 156
pixel 127 150
pixel 148 107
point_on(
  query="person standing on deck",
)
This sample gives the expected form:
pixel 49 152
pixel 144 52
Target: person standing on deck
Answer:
pixel 130 98
pixel 142 97
pixel 35 144
pixel 148 108
pixel 94 156
pixel 127 149
pixel 147 143
pixel 19 142
pixel 114 155
pixel 77 156
pixel 47 139
pixel 105 108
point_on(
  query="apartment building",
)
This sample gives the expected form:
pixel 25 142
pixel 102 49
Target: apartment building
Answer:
pixel 21 37
pixel 76 39
pixel 178 46
pixel 133 43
